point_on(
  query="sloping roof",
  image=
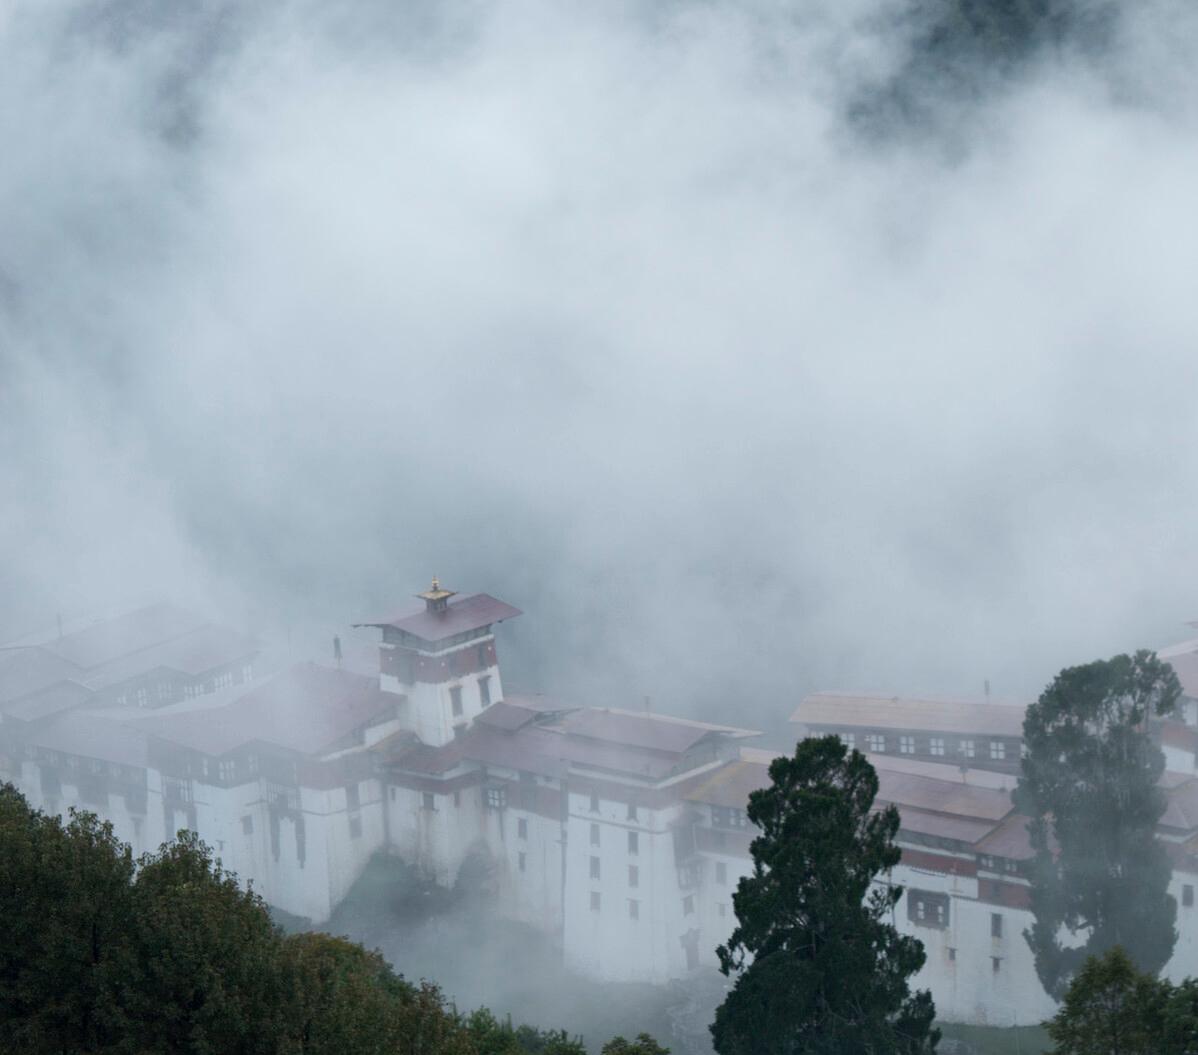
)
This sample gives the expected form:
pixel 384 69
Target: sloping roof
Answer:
pixel 459 617
pixel 982 778
pixel 1009 839
pixel 895 712
pixel 507 716
pixel 647 748
pixel 123 635
pixel 962 829
pixel 307 709
pixel 30 669
pixel 208 647
pixel 731 785
pixel 63 696
pixel 654 732
pixel 942 796
pixel 91 736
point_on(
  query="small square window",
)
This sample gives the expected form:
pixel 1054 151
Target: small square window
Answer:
pixel 998 750
pixel 634 909
pixel 594 867
pixel 907 745
pixel 721 873
pixel 849 740
pixel 1187 895
pixel 496 797
pixel 634 876
pixel 594 900
pixel 522 828
pixel 428 800
pixel 594 835
pixel 968 748
pixel 936 745
pixel 634 842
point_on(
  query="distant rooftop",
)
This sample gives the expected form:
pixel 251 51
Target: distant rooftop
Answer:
pixel 896 712
pixel 455 617
pixel 114 638
pixel 307 709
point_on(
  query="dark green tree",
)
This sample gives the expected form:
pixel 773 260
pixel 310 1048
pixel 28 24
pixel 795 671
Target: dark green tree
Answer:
pixel 207 973
pixel 820 970
pixel 65 907
pixel 1089 782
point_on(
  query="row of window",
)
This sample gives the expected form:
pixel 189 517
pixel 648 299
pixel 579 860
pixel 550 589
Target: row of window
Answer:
pixel 164 692
pixel 936 745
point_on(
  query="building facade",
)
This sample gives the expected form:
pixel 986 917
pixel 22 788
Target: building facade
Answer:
pixel 621 834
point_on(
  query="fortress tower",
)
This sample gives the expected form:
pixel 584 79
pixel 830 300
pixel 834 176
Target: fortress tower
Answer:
pixel 441 658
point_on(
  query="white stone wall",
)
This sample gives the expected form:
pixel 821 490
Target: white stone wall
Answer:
pixel 606 942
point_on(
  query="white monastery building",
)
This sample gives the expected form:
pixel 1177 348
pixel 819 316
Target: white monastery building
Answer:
pixel 611 830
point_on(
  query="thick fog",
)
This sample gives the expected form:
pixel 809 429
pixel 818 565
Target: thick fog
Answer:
pixel 621 312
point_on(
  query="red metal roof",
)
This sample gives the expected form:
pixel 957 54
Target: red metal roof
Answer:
pixel 127 633
pixel 307 709
pixel 654 732
pixel 943 796
pixel 896 712
pixel 507 716
pixel 1010 839
pixel 731 785
pixel 92 736
pixel 28 670
pixel 459 617
pixel 208 647
pixel 64 696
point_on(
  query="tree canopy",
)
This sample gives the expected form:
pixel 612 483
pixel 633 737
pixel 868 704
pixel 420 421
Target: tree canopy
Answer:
pixel 170 954
pixel 1089 782
pixel 819 968
pixel 1110 1008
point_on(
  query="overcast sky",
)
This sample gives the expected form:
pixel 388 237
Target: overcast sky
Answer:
pixel 608 310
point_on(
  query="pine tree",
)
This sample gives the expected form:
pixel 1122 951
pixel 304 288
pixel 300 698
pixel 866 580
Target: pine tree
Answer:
pixel 819 968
